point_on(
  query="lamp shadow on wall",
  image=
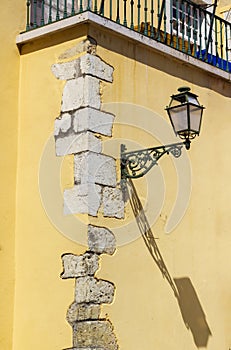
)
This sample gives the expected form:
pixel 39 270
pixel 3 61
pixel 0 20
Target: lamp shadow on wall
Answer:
pixel 188 301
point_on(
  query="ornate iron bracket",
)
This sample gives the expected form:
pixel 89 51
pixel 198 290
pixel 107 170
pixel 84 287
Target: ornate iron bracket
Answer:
pixel 137 163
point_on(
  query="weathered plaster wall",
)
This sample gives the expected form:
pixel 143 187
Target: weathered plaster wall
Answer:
pixel 9 61
pixel 145 313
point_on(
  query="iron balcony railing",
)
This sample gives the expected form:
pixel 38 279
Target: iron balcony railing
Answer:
pixel 190 28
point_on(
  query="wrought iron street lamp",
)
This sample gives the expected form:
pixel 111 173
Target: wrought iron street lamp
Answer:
pixel 185 113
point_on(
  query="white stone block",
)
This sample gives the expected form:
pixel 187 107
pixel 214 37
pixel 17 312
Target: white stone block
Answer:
pixel 113 204
pixel 91 290
pixel 101 240
pixel 96 334
pixel 87 45
pixel 81 92
pixel 67 70
pixel 93 120
pixel 90 167
pixel 94 66
pixel 84 311
pixel 84 65
pixel 82 199
pixel 62 124
pixel 79 265
pixel 72 143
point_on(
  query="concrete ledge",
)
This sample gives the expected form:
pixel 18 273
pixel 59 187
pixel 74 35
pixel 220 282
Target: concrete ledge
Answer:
pixel 89 17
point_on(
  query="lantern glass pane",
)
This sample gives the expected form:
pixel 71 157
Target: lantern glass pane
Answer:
pixel 192 99
pixel 195 118
pixel 179 118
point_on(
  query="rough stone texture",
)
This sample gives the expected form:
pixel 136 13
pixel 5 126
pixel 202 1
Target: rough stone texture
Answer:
pixel 80 312
pixel 90 167
pixel 91 290
pixel 84 65
pixel 98 334
pixel 93 120
pixel 84 119
pixel 79 265
pixel 81 92
pixel 82 199
pixel 93 65
pixel 67 70
pixel 87 45
pixel 101 240
pixel 113 204
pixel 62 123
pixel 72 143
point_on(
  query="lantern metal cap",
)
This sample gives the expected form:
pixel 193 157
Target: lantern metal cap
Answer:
pixel 182 96
pixel 183 89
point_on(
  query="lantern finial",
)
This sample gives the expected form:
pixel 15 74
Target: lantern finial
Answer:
pixel 184 89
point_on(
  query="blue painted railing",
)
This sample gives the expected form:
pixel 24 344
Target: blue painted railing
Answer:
pixel 181 24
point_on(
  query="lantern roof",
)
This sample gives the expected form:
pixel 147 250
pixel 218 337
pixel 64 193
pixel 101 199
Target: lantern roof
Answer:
pixel 184 96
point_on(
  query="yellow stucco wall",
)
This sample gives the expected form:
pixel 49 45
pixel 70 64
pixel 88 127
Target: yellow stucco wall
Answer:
pixel 145 312
pixel 9 60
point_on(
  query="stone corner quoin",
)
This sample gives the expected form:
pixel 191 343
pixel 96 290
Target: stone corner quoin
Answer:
pixel 77 131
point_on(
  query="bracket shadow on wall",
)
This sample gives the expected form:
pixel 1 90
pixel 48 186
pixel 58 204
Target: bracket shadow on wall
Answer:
pixel 191 309
pixel 185 114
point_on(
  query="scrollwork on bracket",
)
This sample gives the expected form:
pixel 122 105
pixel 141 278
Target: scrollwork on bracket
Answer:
pixel 137 163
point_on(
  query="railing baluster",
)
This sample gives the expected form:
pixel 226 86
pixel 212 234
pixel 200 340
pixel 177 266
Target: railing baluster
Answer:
pixel 195 30
pixel 205 39
pixel 210 42
pixel 50 12
pixel 138 14
pixel 73 8
pixel 28 15
pixel 145 18
pixel 226 47
pixel 42 17
pixel 125 13
pixel 221 45
pixel 158 9
pixel 65 9
pixel 132 14
pixel 165 23
pixel 177 24
pixel 35 14
pixel 118 12
pixel 216 43
pixel 200 34
pixel 160 16
pixel 81 6
pixel 183 24
pixel 171 23
pixel 152 19
pixel 101 9
pixel 229 45
pixel 95 6
pixel 111 9
pixel 157 34
pixel 88 5
pixel 188 22
pixel 57 12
